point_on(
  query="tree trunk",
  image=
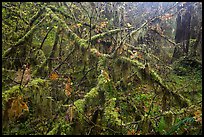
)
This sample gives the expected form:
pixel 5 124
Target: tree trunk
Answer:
pixel 182 32
pixel 186 28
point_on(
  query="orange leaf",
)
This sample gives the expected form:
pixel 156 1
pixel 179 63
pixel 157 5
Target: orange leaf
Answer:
pixel 54 76
pixel 131 132
pixel 198 116
pixel 140 56
pixel 98 54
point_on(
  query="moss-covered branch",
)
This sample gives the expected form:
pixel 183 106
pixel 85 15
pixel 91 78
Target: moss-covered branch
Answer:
pixel 147 74
pixel 135 31
pixel 82 43
pixel 36 16
pixel 165 37
pixel 23 39
pixel 153 77
pixel 110 32
pixel 61 12
pixel 78 41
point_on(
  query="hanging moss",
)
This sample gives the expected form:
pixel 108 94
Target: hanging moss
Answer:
pixel 85 55
pixel 38 91
pixel 39 57
pixel 125 71
pixel 136 35
pixel 101 63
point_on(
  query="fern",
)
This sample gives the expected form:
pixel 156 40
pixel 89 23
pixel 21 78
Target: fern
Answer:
pixel 161 125
pixel 179 124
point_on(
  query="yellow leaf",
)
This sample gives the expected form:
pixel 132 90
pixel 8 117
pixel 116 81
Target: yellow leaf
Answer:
pixel 17 108
pixel 105 74
pixel 129 25
pixel 68 88
pixel 70 113
pixel 79 25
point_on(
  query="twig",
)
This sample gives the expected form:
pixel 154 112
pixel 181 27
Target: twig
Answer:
pixel 45 37
pixel 11 79
pixel 86 74
pixel 166 38
pixel 64 60
pixel 24 68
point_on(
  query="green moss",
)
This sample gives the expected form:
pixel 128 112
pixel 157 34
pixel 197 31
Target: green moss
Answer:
pixel 101 63
pixel 102 81
pixel 41 70
pixel 102 35
pixel 37 81
pixel 93 51
pixel 80 42
pixel 83 43
pixel 40 56
pixel 133 62
pixel 54 130
pixel 192 42
pixel 12 92
pixel 111 116
pixel 91 95
pixel 80 103
pixel 155 77
pixel 21 41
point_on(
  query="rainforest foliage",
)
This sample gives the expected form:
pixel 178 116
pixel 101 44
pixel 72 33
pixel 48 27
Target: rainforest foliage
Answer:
pixel 101 68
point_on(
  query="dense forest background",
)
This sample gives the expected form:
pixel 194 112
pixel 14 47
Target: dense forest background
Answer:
pixel 102 68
